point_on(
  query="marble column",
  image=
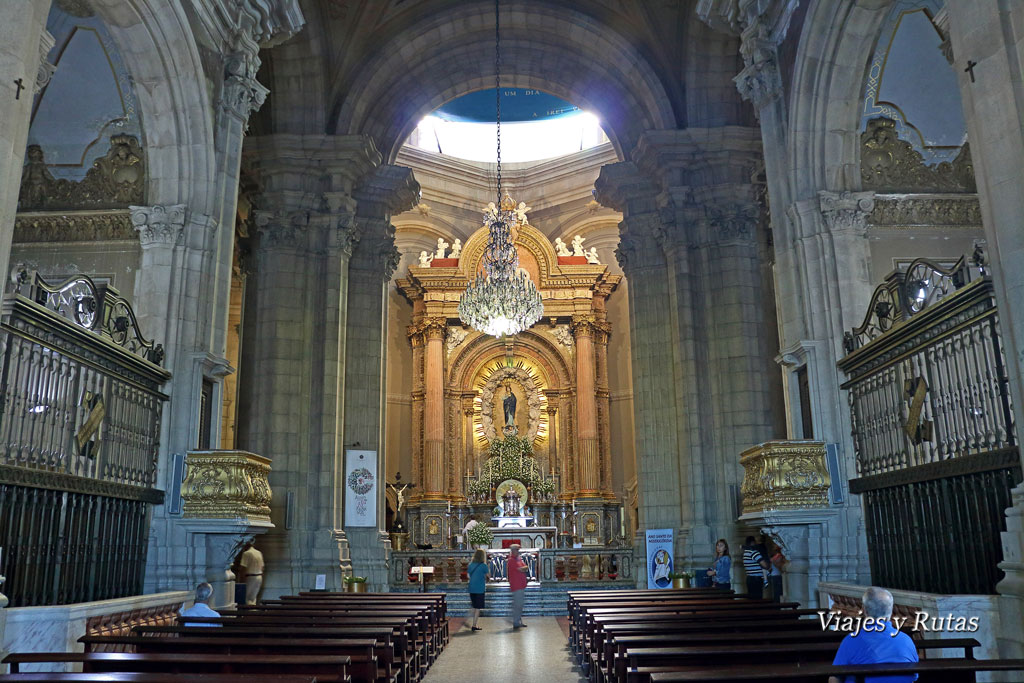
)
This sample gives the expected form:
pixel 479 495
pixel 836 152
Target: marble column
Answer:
pixel 23 38
pixel 554 467
pixel 987 39
pixel 468 440
pixel 433 408
pixel 586 406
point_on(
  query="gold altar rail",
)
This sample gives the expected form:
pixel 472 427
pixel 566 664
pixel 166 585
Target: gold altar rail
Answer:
pixel 784 475
pixel 226 485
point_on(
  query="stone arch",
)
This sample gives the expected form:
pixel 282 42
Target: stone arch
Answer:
pixel 177 135
pixel 834 51
pixel 597 68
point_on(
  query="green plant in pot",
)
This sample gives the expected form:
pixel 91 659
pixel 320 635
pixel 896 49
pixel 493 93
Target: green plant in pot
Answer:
pixel 681 579
pixel 355 584
pixel 480 536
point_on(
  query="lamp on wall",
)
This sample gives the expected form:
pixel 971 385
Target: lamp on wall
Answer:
pixel 502 299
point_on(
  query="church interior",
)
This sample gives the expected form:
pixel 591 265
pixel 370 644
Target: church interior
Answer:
pixel 588 288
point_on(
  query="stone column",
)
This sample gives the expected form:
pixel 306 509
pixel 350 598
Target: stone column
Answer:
pixel 586 407
pixel 987 41
pixel 23 39
pixel 554 466
pixel 602 330
pixel 433 408
pixel 468 439
pixel 656 404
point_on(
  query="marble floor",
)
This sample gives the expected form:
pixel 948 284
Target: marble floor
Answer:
pixel 538 653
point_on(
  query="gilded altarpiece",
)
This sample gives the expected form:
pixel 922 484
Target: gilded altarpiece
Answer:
pixel 557 371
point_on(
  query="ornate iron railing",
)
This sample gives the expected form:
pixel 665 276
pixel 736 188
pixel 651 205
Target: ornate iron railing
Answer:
pixel 80 404
pixel 933 432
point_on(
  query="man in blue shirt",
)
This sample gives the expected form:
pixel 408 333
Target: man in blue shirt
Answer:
pixel 878 642
pixel 201 608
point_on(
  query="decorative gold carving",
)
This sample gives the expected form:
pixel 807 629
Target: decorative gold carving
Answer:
pixel 227 485
pixel 784 475
pixel 948 211
pixel 73 227
pixel 893 165
pixel 115 180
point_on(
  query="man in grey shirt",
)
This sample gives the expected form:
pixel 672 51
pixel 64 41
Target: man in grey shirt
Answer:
pixel 201 608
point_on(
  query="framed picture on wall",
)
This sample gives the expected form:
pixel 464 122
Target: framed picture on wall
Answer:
pixel 360 488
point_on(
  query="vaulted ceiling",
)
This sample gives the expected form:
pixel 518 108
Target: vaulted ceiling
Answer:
pixel 377 67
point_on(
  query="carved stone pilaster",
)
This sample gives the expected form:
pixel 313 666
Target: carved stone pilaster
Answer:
pixel 281 229
pixel 46 42
pixel 159 225
pixel 347 235
pixel 846 211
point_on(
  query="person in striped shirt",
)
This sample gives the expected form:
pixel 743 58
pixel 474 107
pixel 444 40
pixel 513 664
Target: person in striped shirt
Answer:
pixel 756 566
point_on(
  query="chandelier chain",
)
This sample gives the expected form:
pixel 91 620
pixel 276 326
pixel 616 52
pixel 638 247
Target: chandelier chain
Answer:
pixel 497 85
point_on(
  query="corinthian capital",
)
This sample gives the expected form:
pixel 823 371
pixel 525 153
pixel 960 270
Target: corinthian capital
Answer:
pixel 846 211
pixel 158 225
pixel 760 82
pixel 45 73
pixel 242 94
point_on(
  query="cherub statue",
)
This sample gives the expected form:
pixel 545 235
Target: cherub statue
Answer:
pixel 577 245
pixel 521 213
pixel 491 211
pixel 560 247
pixel 425 259
pixel 592 256
pixel 456 249
pixel 441 246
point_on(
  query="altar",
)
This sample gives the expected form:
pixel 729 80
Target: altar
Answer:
pixel 527 537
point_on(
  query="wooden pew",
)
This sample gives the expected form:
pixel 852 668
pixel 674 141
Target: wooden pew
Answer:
pixel 363 652
pixel 945 670
pixel 388 639
pixel 331 668
pixel 148 678
pixel 641 662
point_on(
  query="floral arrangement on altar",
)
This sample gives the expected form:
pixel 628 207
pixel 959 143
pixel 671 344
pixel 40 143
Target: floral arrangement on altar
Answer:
pixel 480 535
pixel 511 458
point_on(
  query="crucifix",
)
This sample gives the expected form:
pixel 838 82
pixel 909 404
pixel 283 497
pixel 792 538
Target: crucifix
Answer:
pixel 970 68
pixel 21 86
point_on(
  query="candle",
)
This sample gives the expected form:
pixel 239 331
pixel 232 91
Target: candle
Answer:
pixel 622 521
pixel 449 506
pixel 574 505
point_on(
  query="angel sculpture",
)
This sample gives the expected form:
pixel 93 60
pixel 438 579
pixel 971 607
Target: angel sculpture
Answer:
pixel 491 211
pixel 521 213
pixel 577 245
pixel 441 246
pixel 456 249
pixel 592 256
pixel 560 247
pixel 425 259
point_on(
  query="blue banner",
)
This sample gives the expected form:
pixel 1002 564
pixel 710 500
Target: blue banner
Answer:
pixel 659 558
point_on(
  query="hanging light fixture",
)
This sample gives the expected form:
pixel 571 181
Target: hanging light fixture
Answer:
pixel 501 299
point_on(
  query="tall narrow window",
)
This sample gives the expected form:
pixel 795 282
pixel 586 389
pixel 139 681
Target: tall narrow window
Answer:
pixel 806 423
pixel 205 414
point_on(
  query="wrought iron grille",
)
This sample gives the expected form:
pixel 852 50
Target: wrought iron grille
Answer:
pixel 933 430
pixel 80 404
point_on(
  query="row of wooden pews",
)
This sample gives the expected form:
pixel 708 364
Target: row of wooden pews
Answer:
pixel 711 635
pixel 326 637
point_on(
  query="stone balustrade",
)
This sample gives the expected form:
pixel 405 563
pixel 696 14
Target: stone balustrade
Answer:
pixel 784 475
pixel 226 485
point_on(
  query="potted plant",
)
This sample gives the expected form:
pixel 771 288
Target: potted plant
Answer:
pixel 680 579
pixel 355 584
pixel 480 536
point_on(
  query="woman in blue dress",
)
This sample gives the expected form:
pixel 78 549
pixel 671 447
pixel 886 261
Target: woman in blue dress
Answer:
pixel 477 572
pixel 721 571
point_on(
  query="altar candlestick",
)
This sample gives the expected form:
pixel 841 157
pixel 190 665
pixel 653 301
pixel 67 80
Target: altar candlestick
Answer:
pixel 622 521
pixel 449 506
pixel 574 505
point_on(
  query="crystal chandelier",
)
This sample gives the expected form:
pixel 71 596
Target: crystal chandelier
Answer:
pixel 501 299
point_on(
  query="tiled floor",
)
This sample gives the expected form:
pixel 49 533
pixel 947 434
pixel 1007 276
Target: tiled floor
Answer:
pixel 538 653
